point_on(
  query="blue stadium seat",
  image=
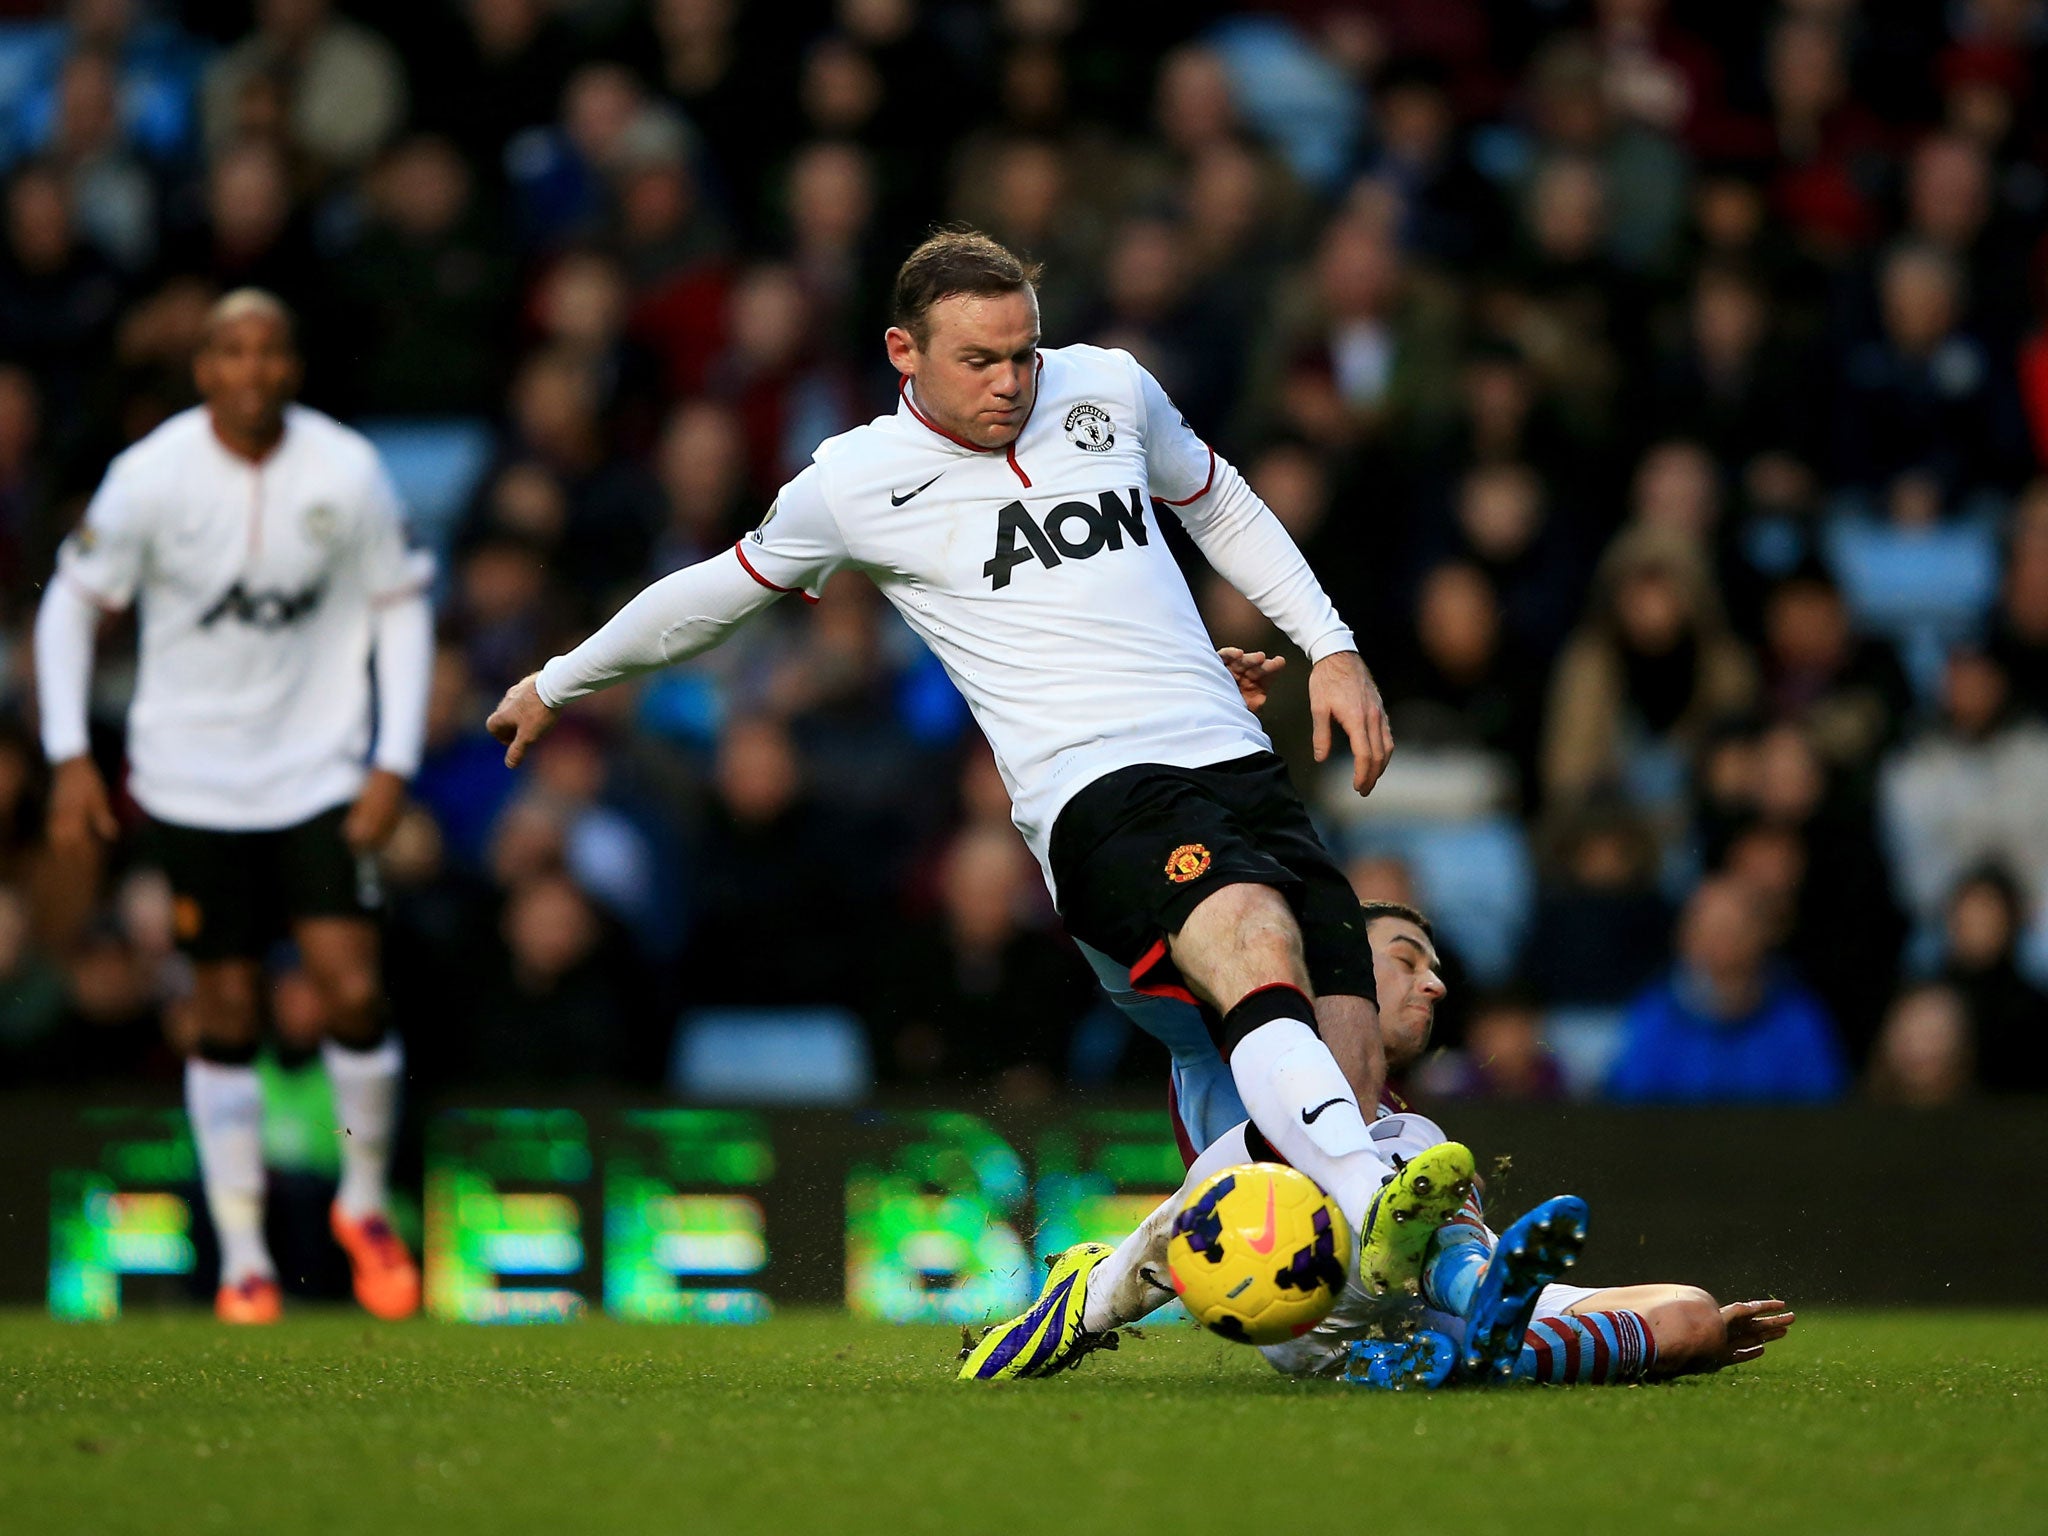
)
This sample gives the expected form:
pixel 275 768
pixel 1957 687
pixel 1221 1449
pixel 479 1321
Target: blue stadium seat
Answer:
pixel 437 463
pixel 771 1056
pixel 1585 1042
pixel 1475 879
pixel 1923 588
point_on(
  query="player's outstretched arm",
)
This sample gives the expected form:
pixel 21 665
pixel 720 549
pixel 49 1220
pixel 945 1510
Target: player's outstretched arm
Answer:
pixel 1239 535
pixel 1342 694
pixel 682 615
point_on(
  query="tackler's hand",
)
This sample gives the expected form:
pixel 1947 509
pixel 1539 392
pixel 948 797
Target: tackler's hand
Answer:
pixel 1249 670
pixel 1751 1325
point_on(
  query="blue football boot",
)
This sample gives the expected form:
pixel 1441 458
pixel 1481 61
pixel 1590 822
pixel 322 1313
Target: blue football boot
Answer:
pixel 1424 1360
pixel 1532 1253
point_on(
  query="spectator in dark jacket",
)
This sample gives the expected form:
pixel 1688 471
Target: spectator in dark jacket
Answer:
pixel 1925 415
pixel 2009 1013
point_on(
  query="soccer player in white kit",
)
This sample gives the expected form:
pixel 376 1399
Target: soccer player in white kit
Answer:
pixel 1008 509
pixel 264 546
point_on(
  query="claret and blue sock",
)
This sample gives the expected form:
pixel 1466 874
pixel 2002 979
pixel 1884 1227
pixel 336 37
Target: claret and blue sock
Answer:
pixel 1598 1347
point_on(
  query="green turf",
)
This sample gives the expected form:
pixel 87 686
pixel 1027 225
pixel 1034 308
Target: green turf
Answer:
pixel 329 1425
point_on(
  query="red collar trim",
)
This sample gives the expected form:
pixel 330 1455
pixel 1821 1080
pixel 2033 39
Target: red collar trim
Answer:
pixel 910 404
pixel 903 391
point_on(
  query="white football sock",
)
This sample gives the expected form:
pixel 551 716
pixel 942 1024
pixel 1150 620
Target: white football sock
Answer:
pixel 1132 1281
pixel 1298 1098
pixel 225 1105
pixel 365 1087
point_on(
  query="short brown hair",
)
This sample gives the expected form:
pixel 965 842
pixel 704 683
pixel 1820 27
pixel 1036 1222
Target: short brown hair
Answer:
pixel 1375 910
pixel 950 262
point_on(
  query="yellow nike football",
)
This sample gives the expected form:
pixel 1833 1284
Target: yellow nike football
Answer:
pixel 1258 1253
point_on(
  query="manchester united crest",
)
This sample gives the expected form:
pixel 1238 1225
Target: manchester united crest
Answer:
pixel 1088 428
pixel 1190 861
pixel 321 523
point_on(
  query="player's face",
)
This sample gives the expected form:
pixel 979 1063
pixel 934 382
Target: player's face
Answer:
pixel 246 372
pixel 1404 974
pixel 977 373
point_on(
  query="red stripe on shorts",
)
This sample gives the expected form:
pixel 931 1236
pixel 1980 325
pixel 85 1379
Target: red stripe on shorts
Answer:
pixel 1181 1138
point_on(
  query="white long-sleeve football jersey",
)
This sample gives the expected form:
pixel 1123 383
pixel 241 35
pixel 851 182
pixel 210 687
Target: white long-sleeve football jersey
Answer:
pixel 1037 574
pixel 259 586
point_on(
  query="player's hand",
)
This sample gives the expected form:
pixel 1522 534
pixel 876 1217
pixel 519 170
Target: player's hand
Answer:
pixel 1249 670
pixel 1341 692
pixel 520 719
pixel 80 815
pixel 374 817
pixel 1751 1325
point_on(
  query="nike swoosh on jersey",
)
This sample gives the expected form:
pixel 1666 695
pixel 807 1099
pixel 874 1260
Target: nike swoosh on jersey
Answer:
pixel 1263 1243
pixel 1308 1116
pixel 897 499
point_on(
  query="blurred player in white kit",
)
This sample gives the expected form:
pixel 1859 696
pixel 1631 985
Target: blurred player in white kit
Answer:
pixel 263 545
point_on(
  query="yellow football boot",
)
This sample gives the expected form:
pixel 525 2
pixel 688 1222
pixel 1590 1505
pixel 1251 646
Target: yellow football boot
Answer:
pixel 1049 1337
pixel 1421 1195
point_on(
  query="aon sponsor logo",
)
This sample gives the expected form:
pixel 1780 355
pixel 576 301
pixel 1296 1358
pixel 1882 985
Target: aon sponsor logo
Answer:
pixel 266 609
pixel 1073 530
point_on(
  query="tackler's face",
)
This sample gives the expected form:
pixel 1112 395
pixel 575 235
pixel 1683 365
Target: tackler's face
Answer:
pixel 1404 971
pixel 976 372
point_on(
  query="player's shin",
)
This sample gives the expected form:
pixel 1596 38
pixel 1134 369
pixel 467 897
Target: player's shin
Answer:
pixel 1298 1096
pixel 225 1104
pixel 365 1083
pixel 1594 1347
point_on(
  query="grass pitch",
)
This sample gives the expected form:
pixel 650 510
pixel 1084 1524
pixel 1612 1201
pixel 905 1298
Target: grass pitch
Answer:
pixel 331 1425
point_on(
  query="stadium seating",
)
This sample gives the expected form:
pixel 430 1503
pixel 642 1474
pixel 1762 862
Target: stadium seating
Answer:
pixel 437 464
pixel 1476 880
pixel 1584 1042
pixel 771 1056
pixel 1923 588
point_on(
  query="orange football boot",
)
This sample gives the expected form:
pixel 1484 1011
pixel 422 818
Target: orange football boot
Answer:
pixel 253 1300
pixel 387 1280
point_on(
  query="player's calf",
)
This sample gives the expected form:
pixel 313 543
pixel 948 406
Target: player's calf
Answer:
pixel 1597 1348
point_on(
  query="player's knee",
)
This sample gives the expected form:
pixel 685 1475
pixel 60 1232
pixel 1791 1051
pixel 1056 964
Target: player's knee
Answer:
pixel 227 1011
pixel 1258 921
pixel 352 999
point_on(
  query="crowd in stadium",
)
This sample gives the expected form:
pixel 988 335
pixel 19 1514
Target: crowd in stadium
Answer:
pixel 1660 389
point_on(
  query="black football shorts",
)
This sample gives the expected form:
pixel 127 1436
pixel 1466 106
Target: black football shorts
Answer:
pixel 237 892
pixel 1139 849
